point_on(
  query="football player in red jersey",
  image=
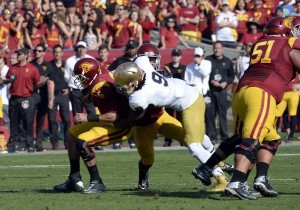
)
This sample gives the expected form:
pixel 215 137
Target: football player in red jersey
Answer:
pixel 81 137
pixel 273 64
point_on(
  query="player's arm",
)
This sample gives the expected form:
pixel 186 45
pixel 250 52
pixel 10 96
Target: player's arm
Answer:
pixel 294 55
pixel 132 117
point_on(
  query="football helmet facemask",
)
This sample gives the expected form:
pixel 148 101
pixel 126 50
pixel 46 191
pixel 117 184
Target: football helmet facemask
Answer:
pixel 152 53
pixel 85 72
pixel 295 31
pixel 127 77
pixel 278 26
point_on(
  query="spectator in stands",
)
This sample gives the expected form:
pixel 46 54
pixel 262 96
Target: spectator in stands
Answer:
pixel 53 35
pixel 5 29
pixel 121 30
pixel 85 10
pixel 260 13
pixel 66 29
pixel 288 9
pixel 16 39
pixel 97 15
pixel 61 97
pixel 170 34
pixel 253 34
pixel 296 8
pixel 43 7
pixel 11 5
pixel 78 25
pixel 91 35
pixel 168 8
pixel 34 33
pixel 226 26
pixel 206 11
pixel 243 16
pixel 189 19
pixel 148 22
pixel 137 28
pixel 279 12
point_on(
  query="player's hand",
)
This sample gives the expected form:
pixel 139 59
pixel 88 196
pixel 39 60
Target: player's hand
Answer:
pixel 80 118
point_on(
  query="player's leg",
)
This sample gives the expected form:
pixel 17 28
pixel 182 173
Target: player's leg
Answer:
pixel 258 116
pixel 293 101
pixel 144 136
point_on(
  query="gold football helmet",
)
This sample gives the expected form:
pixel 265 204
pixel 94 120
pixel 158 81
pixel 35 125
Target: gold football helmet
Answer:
pixel 127 77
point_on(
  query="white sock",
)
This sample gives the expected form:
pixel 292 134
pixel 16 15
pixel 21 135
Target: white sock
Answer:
pixel 206 143
pixel 198 152
pixel 217 171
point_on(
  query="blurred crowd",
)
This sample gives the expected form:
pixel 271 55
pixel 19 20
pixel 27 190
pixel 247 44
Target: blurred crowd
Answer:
pixel 26 23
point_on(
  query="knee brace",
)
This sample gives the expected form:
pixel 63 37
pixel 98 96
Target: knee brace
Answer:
pixel 249 148
pixel 85 151
pixel 227 146
pixel 271 146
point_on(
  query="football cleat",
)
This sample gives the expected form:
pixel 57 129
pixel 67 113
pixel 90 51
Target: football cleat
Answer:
pixel 203 173
pixel 143 184
pixel 69 186
pixel 221 184
pixel 253 192
pixel 95 187
pixel 240 190
pixel 227 167
pixel 132 146
pixel 117 146
pixel 262 185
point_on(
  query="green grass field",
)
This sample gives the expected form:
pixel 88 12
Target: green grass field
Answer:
pixel 27 181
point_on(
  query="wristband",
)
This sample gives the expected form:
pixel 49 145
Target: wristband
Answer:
pixel 93 118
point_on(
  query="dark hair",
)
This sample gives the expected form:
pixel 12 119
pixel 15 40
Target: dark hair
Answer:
pixel 218 42
pixel 102 47
pixel 245 8
pixel 42 46
pixel 4 59
pixel 177 28
pixel 57 46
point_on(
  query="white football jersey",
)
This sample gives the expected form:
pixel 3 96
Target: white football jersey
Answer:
pixel 160 91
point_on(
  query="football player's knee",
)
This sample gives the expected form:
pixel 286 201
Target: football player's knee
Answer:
pixel 271 146
pixel 85 151
pixel 148 161
pixel 248 148
pixel 228 145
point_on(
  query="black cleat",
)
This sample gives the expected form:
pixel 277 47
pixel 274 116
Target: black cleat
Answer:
pixel 262 185
pixel 117 146
pixel 227 167
pixel 143 183
pixel 95 187
pixel 203 173
pixel 240 190
pixel 132 146
pixel 99 148
pixel 69 186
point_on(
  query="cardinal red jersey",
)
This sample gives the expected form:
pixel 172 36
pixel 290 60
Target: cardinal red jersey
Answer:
pixel 270 67
pixel 104 96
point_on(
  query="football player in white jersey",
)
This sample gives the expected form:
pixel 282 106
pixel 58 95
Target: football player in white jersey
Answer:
pixel 145 87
